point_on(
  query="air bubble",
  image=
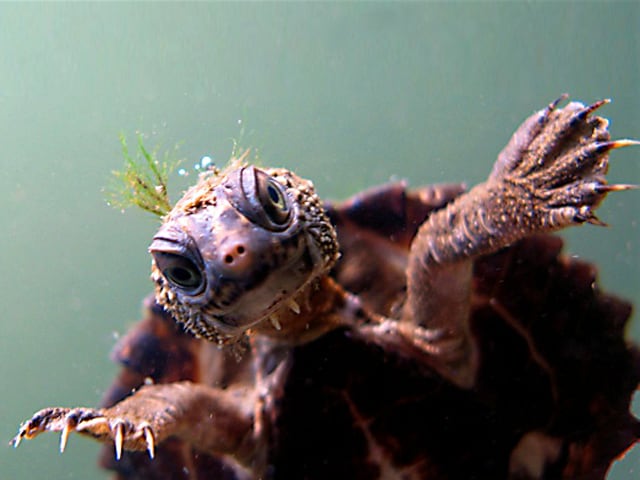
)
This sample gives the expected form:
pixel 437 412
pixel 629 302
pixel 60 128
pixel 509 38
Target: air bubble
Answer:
pixel 182 172
pixel 206 161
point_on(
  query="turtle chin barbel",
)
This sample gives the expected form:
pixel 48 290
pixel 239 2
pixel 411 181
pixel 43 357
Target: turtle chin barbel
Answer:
pixel 403 346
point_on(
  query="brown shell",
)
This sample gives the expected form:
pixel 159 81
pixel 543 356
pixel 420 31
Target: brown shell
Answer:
pixel 555 369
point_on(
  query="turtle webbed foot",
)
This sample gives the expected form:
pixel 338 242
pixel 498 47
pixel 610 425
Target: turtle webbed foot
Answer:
pixel 555 166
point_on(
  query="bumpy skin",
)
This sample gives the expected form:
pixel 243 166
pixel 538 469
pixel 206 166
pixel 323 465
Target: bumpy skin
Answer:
pixel 550 176
pixel 378 385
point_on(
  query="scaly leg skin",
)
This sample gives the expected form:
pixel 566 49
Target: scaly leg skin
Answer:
pixel 211 420
pixel 551 175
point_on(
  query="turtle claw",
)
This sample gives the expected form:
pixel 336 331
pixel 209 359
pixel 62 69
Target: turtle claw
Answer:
pixel 64 437
pixel 620 143
pixel 582 113
pixel 118 438
pixel 618 187
pixel 554 105
pixel 150 439
pixel 589 217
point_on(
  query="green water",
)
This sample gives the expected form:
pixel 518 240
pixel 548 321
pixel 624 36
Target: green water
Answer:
pixel 346 94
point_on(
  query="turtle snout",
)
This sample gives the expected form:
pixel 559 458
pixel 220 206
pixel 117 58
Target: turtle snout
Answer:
pixel 235 258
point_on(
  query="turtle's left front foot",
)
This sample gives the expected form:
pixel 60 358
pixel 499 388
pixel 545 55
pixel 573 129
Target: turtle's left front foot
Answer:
pixel 552 173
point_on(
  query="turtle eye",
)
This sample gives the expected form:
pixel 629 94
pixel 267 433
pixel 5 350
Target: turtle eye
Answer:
pixel 259 197
pixel 272 198
pixel 180 272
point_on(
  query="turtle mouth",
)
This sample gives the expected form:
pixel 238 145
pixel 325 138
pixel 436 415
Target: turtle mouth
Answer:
pixel 225 316
pixel 202 286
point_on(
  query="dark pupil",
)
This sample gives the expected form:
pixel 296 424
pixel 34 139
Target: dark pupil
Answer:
pixel 183 276
pixel 273 194
pixel 273 200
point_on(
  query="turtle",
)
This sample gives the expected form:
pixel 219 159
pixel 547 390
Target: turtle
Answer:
pixel 413 333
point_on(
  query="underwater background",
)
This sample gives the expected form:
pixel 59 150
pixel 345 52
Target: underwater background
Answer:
pixel 347 94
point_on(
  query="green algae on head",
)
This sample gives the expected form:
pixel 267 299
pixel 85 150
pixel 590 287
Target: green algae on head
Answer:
pixel 143 181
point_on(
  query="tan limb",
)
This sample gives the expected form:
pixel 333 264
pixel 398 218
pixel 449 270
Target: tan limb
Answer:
pixel 551 175
pixel 211 420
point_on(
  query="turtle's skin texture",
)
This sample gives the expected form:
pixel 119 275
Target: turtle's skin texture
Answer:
pixel 439 334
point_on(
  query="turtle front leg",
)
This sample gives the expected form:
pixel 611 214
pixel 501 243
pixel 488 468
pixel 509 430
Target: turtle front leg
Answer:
pixel 551 175
pixel 211 420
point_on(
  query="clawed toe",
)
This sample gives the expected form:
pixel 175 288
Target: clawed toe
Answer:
pixel 123 431
pixel 150 440
pixel 555 165
pixel 62 420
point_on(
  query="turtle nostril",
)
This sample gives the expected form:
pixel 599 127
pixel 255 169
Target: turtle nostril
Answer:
pixel 235 257
pixel 230 257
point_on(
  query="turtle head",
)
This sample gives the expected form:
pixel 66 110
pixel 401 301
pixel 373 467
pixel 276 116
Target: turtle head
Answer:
pixel 237 247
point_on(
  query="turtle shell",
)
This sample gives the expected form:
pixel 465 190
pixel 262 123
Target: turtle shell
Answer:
pixel 552 399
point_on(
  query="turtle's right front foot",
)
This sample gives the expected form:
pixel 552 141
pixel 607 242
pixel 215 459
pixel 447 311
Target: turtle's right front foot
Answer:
pixel 101 424
pixel 211 420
